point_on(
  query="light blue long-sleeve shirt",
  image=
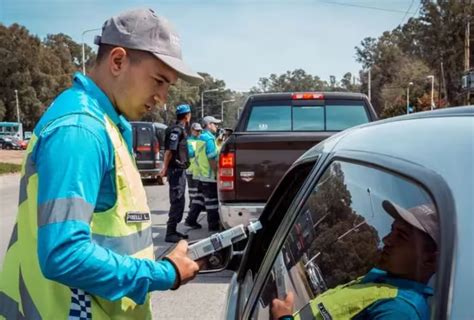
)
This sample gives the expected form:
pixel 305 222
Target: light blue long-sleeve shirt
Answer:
pixel 74 160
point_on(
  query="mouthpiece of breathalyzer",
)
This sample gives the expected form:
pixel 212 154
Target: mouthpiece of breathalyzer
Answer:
pixel 221 240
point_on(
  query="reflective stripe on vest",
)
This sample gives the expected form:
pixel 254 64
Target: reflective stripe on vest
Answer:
pixel 24 292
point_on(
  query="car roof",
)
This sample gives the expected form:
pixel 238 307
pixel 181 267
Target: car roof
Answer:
pixel 439 141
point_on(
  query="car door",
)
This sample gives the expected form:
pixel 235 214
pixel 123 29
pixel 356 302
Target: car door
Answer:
pixel 339 231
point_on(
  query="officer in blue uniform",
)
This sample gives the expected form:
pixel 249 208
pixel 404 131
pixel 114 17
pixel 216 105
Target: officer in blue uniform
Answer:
pixel 175 164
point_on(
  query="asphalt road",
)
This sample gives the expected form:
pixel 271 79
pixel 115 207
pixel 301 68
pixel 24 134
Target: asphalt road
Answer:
pixel 203 298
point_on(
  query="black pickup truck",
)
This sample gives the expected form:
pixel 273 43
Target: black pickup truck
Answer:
pixel 274 130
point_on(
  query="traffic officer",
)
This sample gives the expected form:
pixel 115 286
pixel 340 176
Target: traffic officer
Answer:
pixel 195 193
pixel 82 245
pixel 174 167
pixel 207 157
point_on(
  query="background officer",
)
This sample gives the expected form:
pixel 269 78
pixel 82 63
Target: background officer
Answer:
pixel 206 158
pixel 175 164
pixel 196 198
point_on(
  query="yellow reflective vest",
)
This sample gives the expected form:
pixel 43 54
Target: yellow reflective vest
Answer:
pixel 26 294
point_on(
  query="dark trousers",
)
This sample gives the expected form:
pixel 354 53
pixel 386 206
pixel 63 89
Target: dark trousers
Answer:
pixel 209 191
pixel 177 183
pixel 196 198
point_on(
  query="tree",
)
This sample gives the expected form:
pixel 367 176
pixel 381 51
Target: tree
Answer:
pixel 2 110
pixel 39 70
pixel 436 37
pixel 291 81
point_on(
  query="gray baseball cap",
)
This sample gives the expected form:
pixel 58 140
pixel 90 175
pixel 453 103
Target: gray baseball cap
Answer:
pixel 196 126
pixel 143 29
pixel 210 119
pixel 422 217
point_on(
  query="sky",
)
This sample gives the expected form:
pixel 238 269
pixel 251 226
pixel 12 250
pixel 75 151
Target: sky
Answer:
pixel 238 41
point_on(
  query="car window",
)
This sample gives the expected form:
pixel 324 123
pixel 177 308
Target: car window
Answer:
pixel 341 117
pixel 331 117
pixel 144 136
pixel 308 118
pixel 270 118
pixel 364 243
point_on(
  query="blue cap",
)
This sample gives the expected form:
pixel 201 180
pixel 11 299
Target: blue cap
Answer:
pixel 183 108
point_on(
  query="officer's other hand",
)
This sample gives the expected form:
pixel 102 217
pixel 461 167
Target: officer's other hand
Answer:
pixel 163 172
pixel 282 308
pixel 187 268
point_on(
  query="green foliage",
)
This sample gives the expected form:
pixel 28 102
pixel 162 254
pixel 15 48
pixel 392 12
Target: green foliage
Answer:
pixel 39 70
pixel 413 51
pixel 298 80
pixel 9 168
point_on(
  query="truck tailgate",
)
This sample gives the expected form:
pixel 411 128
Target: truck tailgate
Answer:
pixel 262 159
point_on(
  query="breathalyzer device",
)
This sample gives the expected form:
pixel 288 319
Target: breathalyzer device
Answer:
pixel 221 240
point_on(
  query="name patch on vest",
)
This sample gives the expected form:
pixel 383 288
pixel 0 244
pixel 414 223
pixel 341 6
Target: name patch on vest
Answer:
pixel 324 313
pixel 137 216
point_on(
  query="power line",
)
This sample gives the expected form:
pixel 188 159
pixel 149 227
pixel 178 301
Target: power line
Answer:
pixel 417 9
pixel 406 13
pixel 345 4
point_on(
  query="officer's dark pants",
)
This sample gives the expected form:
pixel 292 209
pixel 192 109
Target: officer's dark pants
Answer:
pixel 177 182
pixel 209 191
pixel 196 199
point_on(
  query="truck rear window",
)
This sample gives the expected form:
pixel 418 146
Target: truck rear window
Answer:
pixel 144 136
pixel 306 118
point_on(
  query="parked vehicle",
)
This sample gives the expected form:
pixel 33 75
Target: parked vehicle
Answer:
pixel 273 131
pixel 11 143
pixel 11 129
pixel 324 224
pixel 148 147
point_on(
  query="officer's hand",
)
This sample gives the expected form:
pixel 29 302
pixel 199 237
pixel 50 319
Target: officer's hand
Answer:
pixel 282 308
pixel 187 268
pixel 163 172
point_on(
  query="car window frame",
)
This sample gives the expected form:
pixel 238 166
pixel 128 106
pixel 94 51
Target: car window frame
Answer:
pixel 438 191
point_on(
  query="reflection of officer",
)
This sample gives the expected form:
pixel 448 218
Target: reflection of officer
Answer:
pixel 175 163
pixel 397 288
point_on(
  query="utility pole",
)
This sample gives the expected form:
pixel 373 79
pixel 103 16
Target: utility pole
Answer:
pixel 408 97
pixel 84 48
pixel 370 85
pixel 222 108
pixel 444 81
pixel 432 91
pixel 17 107
pixel 202 99
pixel 467 52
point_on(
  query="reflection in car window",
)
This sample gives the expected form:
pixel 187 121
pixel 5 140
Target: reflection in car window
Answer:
pixel 364 245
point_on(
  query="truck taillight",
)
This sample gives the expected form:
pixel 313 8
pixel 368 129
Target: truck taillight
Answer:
pixel 307 96
pixel 226 171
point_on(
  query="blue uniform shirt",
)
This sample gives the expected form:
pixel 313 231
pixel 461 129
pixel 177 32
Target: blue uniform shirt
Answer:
pixel 74 160
pixel 191 151
pixel 410 303
pixel 211 148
